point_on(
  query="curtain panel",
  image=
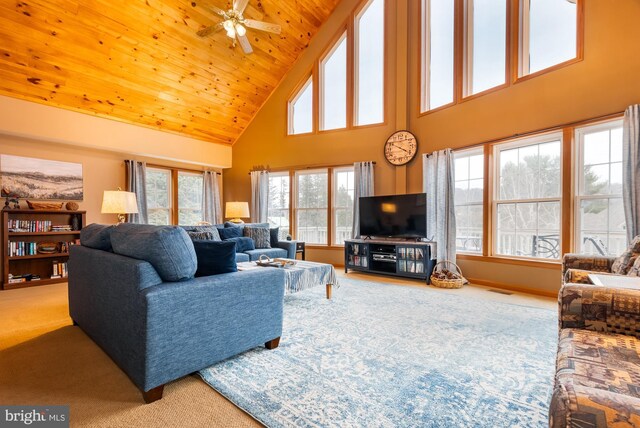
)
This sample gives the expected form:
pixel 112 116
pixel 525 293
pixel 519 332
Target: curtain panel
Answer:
pixel 137 183
pixel 211 205
pixel 259 196
pixel 363 185
pixel 438 184
pixel 631 170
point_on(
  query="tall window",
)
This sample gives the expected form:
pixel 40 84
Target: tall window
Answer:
pixel 437 53
pixel 548 34
pixel 600 214
pixel 278 214
pixel 343 194
pixel 528 198
pixel 301 110
pixel 159 196
pixel 485 45
pixel 469 179
pixel 333 84
pixel 190 186
pixel 369 64
pixel 312 203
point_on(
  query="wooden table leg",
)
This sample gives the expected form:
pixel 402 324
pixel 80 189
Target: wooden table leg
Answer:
pixel 329 291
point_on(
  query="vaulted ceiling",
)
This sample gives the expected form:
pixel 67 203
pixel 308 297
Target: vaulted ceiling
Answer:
pixel 140 61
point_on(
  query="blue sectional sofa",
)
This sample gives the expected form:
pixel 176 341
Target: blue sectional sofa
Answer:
pixel 278 248
pixel 132 290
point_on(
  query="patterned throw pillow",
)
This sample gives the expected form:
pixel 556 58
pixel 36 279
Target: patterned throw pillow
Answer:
pixel 260 236
pixel 623 264
pixel 203 233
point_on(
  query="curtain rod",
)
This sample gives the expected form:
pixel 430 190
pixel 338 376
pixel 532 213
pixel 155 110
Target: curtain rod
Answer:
pixel 151 165
pixel 548 129
pixel 301 167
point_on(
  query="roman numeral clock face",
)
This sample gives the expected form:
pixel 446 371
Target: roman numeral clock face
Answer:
pixel 400 148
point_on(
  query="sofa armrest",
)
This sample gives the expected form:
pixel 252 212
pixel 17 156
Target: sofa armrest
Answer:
pixel 290 246
pixel 599 308
pixel 587 262
pixel 196 323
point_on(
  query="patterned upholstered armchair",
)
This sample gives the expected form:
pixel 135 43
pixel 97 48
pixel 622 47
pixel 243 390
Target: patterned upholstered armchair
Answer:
pixel 597 381
pixel 577 267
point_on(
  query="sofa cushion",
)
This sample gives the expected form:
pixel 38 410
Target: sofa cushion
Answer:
pixel 168 248
pixel 97 236
pixel 230 232
pixel 623 263
pixel 215 257
pixel 270 252
pixel 243 243
pixel 273 235
pixel 242 257
pixel 596 379
pixel 260 236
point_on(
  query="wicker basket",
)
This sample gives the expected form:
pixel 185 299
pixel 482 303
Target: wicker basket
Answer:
pixel 45 205
pixel 449 282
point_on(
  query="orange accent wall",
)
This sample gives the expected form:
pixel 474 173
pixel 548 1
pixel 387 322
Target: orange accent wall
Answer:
pixel 606 81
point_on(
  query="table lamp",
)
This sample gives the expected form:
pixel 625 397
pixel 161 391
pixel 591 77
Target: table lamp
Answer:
pixel 119 202
pixel 235 210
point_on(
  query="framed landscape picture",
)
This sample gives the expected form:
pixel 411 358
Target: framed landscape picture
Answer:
pixel 40 178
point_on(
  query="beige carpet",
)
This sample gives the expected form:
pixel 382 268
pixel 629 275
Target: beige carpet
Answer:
pixel 44 360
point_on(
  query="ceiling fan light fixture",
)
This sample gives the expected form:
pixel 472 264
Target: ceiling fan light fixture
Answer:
pixel 240 30
pixel 228 26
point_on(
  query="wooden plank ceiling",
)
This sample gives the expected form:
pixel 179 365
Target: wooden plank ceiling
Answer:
pixel 141 62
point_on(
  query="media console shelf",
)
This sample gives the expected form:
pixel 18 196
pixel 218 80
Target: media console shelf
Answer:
pixel 410 259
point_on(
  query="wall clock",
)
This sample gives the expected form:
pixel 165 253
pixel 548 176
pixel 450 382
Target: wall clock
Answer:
pixel 400 148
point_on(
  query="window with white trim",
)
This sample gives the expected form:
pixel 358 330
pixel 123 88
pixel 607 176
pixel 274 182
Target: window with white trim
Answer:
pixel 469 197
pixel 527 197
pixel 343 194
pixel 278 212
pixel 311 206
pixel 600 221
pixel 548 34
pixel 158 189
pixel 369 64
pixel 485 45
pixel 301 109
pixel 333 87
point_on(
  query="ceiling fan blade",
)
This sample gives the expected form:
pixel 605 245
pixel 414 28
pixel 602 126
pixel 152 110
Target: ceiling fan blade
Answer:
pixel 217 10
pixel 240 5
pixel 264 26
pixel 245 45
pixel 209 30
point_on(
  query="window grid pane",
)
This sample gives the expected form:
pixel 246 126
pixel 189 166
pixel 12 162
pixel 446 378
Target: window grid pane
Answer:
pixel 438 53
pixel 311 207
pixel 600 212
pixel 369 82
pixel 278 211
pixel 469 187
pixel 528 201
pixel 333 72
pixel 343 197
pixel 189 198
pixel 301 110
pixel 158 189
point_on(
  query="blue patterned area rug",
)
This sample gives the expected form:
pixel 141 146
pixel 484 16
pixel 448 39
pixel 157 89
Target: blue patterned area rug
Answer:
pixel 395 356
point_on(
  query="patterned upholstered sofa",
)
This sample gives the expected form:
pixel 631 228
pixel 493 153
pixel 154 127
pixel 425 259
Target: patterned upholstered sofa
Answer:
pixel 597 381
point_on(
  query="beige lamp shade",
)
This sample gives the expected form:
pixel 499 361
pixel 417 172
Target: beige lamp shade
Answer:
pixel 119 202
pixel 236 210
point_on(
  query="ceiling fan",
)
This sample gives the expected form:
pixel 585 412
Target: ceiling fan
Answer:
pixel 235 24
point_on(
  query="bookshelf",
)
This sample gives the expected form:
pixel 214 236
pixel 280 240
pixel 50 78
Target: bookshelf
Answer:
pixel 20 251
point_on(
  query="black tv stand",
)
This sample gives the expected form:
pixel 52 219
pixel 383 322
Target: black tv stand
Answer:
pixel 406 258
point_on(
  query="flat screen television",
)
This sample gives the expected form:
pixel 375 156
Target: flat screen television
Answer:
pixel 394 216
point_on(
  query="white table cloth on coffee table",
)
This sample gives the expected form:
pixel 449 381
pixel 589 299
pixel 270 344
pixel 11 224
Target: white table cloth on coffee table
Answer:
pixel 302 275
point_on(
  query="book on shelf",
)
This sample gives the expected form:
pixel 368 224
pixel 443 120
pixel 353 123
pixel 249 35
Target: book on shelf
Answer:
pixel 29 225
pixel 59 269
pixel 25 277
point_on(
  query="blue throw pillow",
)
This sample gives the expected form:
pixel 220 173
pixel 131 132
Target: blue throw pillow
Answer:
pixel 230 224
pixel 243 243
pixel 97 236
pixel 230 232
pixel 215 257
pixel 167 248
pixel 273 233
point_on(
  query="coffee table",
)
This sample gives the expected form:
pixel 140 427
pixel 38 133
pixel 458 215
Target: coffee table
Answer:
pixel 302 275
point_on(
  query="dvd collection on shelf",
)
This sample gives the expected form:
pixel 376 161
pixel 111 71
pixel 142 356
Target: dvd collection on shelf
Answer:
pixel 30 225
